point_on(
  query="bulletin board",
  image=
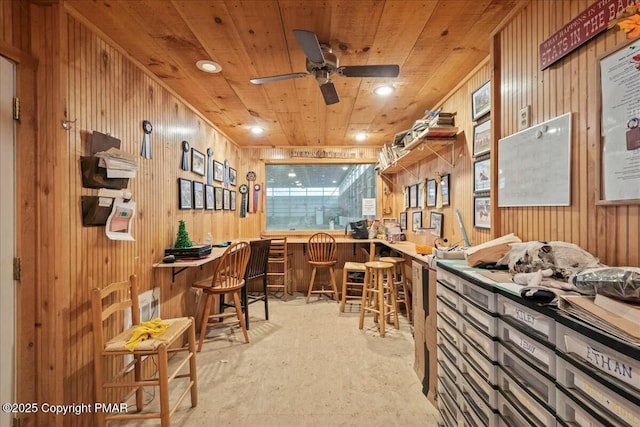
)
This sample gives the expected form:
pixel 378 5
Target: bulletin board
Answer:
pixel 534 165
pixel 619 153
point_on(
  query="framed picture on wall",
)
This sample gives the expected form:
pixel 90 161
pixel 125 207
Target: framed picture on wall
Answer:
pixel 413 196
pixel 198 195
pixel 407 198
pixel 185 194
pixel 482 138
pixel 226 199
pixel 416 221
pixel 420 192
pixel 233 176
pixel 209 199
pixel 197 162
pixel 481 175
pixel 432 186
pixel 482 212
pixel 435 222
pixel 444 182
pixel 481 101
pixel 218 198
pixel 218 171
pixel 403 220
pixel 232 201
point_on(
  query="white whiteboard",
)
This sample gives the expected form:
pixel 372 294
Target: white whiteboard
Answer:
pixel 534 165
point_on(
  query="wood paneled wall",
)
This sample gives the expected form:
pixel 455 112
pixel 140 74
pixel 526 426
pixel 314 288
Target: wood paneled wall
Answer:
pixel 67 71
pixel 570 85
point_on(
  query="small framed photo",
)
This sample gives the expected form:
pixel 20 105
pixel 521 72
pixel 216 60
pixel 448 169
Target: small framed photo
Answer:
pixel 435 222
pixel 209 198
pixel 481 175
pixel 218 171
pixel 232 205
pixel 416 220
pixel 482 212
pixel 420 192
pixel 446 198
pixel 413 196
pixel 218 198
pixel 407 197
pixel 185 194
pixel 403 221
pixel 432 185
pixel 233 176
pixel 482 138
pixel 198 195
pixel 226 199
pixel 197 162
pixel 481 101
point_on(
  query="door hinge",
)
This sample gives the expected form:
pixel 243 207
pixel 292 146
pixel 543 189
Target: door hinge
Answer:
pixel 16 269
pixel 16 108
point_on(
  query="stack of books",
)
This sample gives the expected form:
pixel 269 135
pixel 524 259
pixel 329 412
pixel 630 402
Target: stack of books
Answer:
pixel 194 252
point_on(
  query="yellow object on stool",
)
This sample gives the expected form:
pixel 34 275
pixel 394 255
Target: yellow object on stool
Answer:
pixel 145 330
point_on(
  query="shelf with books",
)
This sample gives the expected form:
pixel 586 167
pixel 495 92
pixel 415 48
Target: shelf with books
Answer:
pixel 428 143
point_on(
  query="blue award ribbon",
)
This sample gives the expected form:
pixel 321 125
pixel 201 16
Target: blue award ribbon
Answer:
pixel 146 142
pixel 185 158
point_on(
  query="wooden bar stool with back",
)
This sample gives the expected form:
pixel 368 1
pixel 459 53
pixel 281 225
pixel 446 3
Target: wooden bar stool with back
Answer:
pixel 278 266
pixel 228 279
pixel 322 253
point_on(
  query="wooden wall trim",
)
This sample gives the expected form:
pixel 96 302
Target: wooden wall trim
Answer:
pixel 18 56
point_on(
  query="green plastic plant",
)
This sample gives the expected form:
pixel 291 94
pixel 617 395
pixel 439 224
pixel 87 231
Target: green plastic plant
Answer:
pixel 182 239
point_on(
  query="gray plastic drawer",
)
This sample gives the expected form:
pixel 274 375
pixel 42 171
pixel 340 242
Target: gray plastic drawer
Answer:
pixel 538 414
pixel 448 295
pixel 447 331
pixel 539 355
pixel 602 358
pixel 449 314
pixel 535 323
pixel 476 380
pixel 597 395
pixel 448 279
pixel 573 414
pixel 510 417
pixel 447 419
pixel 543 388
pixel 482 343
pixel 448 401
pixel 473 410
pixel 478 318
pixel 447 368
pixel 485 368
pixel 480 296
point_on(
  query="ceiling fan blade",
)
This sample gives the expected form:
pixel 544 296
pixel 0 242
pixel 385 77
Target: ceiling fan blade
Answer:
pixel 309 44
pixel 329 93
pixel 260 80
pixel 370 70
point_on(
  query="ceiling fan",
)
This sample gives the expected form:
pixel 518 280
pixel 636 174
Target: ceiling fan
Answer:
pixel 323 64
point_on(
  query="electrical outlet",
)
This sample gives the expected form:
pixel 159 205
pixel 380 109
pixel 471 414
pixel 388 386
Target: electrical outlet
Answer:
pixel 524 118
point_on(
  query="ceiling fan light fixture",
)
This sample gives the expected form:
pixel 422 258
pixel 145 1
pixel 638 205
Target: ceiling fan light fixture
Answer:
pixel 361 136
pixel 385 90
pixel 257 130
pixel 208 66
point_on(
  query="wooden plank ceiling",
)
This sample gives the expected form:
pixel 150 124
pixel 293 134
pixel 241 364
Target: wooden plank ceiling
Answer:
pixel 435 43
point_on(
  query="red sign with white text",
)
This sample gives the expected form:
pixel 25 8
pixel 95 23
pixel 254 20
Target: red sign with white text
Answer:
pixel 581 29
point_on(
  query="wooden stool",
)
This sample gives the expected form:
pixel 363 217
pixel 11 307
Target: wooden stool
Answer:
pixel 400 282
pixel 278 266
pixel 379 294
pixel 322 254
pixel 351 283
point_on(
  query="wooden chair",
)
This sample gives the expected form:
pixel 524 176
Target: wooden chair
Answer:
pixel 256 269
pixel 227 279
pixel 278 267
pixel 108 307
pixel 322 253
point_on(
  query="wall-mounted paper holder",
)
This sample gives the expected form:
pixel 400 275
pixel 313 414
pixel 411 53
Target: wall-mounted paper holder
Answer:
pixel 96 209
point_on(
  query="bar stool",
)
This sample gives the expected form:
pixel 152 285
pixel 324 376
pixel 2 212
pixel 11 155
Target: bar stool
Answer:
pixel 352 279
pixel 379 294
pixel 400 282
pixel 278 266
pixel 322 254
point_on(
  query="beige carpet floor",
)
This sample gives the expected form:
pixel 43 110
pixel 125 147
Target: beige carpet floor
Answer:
pixel 309 365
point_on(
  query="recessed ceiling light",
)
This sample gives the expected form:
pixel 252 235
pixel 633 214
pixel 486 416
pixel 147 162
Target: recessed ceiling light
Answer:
pixel 208 66
pixel 334 182
pixel 292 174
pixel 383 90
pixel 344 168
pixel 257 130
pixel 361 136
